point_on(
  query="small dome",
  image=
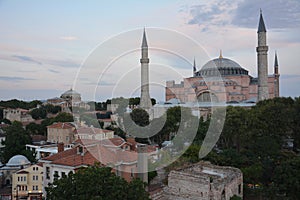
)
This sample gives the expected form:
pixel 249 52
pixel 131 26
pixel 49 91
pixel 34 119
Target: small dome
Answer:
pixel 18 160
pixel 70 94
pixel 221 66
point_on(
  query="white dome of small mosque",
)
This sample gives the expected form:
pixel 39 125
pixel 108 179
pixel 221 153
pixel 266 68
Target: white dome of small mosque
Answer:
pixel 18 160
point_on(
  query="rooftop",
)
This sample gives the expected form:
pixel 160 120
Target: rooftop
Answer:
pixel 62 125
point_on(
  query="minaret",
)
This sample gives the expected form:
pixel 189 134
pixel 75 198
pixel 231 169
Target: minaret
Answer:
pixel 262 60
pixel 194 68
pixel 145 101
pixel 276 74
pixel 142 164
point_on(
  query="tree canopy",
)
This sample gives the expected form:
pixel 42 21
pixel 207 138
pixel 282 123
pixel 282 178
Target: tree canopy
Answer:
pixel 254 140
pixel 15 141
pixel 96 182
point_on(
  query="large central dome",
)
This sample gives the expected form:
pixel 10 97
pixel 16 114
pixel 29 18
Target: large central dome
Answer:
pixel 221 66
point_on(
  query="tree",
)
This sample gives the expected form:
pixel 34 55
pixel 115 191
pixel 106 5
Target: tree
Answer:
pixel 235 198
pixel 38 113
pixel 287 177
pixel 63 117
pixel 15 141
pixel 96 182
pixel 35 129
pixel 14 103
pixel 140 117
pixel 235 128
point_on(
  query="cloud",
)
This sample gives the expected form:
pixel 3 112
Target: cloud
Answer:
pixel 14 78
pixel 62 63
pixel 26 59
pixel 87 81
pixel 278 14
pixel 53 71
pixel 214 13
pixel 43 61
pixel 68 38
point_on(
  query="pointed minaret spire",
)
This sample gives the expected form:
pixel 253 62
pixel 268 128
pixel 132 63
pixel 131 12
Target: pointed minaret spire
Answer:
pixel 144 43
pixel 220 54
pixel 276 60
pixel 194 67
pixel 277 75
pixel 261 25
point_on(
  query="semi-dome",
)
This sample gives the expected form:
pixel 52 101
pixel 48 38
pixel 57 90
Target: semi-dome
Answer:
pixel 18 160
pixel 221 66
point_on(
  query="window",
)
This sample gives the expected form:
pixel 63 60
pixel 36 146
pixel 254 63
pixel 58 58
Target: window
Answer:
pixel 63 174
pixel 35 187
pixel 21 178
pixel 132 173
pixel 240 189
pixel 35 178
pixel 47 172
pixel 18 178
pixel 24 178
pixel 55 175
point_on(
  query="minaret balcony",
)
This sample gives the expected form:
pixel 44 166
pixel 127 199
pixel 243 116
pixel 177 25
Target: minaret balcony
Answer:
pixel 144 60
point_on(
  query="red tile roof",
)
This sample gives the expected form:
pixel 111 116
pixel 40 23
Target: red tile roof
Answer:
pixel 91 130
pixel 94 151
pixel 62 125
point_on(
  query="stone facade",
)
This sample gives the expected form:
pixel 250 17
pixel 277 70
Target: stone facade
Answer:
pixel 69 99
pixel 204 181
pixel 18 114
pixel 61 132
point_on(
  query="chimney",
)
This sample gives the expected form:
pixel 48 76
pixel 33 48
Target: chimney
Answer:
pixel 142 163
pixel 60 147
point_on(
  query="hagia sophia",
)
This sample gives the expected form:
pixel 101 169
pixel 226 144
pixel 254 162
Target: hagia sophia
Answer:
pixel 224 80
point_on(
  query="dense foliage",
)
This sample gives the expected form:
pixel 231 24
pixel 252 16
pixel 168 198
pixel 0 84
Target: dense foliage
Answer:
pixel 14 103
pixel 256 141
pixel 15 141
pixel 96 183
pixel 42 111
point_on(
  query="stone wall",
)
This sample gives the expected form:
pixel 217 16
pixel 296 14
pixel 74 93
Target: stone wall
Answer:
pixel 204 181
